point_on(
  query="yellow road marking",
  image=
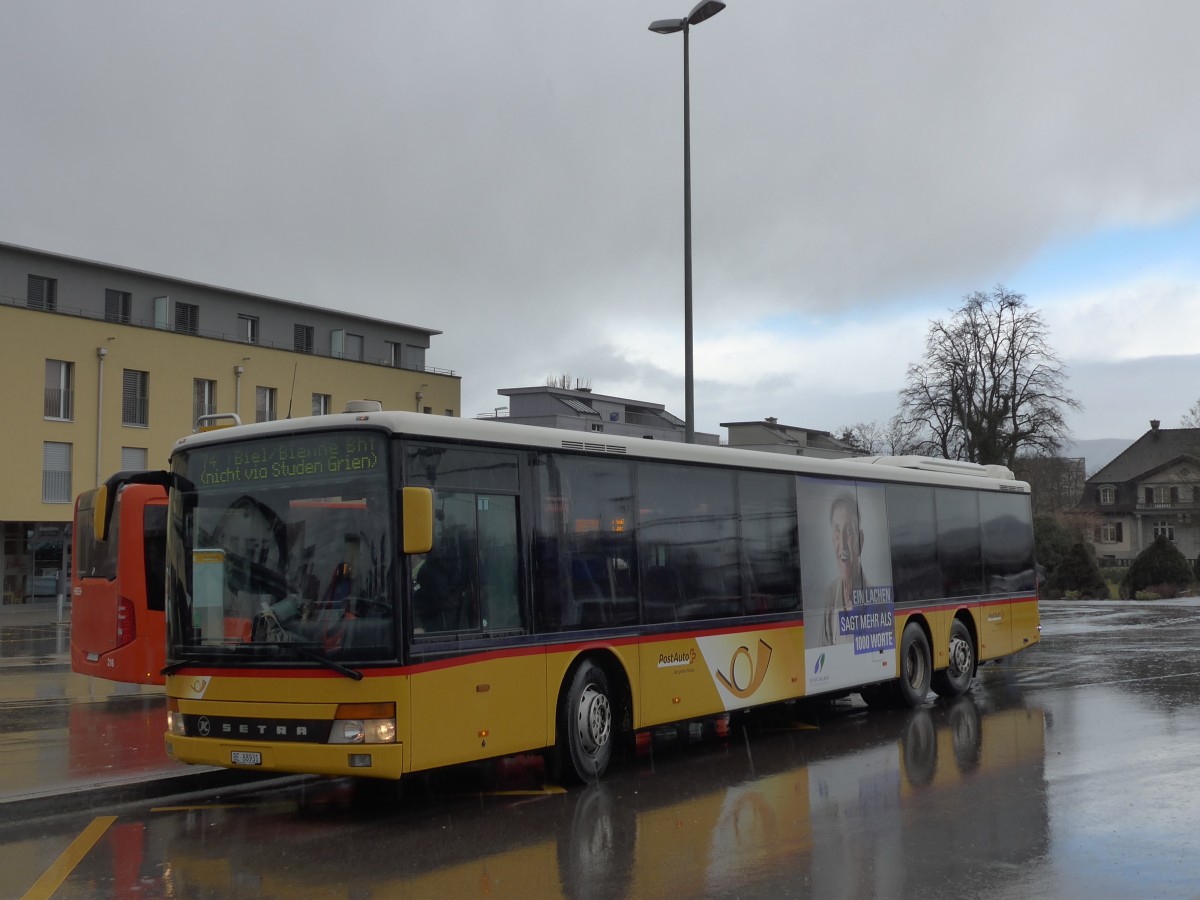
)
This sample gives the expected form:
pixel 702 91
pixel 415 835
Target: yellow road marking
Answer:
pixel 54 876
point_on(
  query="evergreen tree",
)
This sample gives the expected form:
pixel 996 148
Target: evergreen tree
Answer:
pixel 1050 542
pixel 1159 564
pixel 1077 571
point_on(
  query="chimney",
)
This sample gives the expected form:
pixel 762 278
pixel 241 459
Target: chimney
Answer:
pixel 1154 423
pixel 771 420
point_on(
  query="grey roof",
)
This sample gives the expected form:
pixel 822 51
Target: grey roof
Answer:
pixel 1153 450
pixel 578 406
pixel 113 267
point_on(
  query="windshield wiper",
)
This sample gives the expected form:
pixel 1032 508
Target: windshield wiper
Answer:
pixel 177 665
pixel 314 656
pixel 302 650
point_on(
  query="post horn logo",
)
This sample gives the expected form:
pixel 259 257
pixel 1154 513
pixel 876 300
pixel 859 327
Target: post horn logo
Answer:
pixel 757 670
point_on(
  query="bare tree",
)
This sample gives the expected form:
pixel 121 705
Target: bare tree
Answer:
pixel 565 379
pixel 1056 482
pixel 896 438
pixel 1191 418
pixel 989 387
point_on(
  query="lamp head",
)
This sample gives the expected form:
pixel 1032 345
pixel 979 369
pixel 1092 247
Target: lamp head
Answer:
pixel 705 9
pixel 668 26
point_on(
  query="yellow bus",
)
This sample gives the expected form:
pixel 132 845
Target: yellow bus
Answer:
pixel 378 593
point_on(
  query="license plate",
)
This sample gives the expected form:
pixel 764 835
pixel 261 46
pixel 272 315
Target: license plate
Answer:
pixel 246 758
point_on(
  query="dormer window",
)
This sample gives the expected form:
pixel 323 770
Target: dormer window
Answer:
pixel 1108 495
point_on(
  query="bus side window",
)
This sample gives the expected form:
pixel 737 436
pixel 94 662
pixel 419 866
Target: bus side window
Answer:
pixel 498 558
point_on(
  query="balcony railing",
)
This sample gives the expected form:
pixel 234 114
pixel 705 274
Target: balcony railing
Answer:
pixel 1168 505
pixel 60 404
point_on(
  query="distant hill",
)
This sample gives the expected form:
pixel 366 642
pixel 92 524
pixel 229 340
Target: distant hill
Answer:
pixel 1097 453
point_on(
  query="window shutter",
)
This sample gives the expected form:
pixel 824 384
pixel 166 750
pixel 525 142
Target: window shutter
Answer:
pixel 56 472
pixel 133 459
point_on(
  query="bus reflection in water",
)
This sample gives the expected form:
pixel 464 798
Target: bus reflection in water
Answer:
pixel 957 798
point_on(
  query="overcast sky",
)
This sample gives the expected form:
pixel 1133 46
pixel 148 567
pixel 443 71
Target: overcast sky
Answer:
pixel 511 174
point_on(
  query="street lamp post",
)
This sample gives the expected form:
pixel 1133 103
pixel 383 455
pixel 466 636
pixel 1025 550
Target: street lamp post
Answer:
pixel 705 9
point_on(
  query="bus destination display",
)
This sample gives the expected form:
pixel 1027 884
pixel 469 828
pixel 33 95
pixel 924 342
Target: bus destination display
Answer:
pixel 288 459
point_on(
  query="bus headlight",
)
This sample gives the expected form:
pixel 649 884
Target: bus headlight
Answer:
pixel 174 718
pixel 364 723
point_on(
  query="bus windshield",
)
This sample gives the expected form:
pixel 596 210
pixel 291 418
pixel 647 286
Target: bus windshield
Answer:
pixel 283 550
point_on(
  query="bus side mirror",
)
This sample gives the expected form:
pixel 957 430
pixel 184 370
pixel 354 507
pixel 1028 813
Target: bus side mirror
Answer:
pixel 102 512
pixel 106 495
pixel 417 519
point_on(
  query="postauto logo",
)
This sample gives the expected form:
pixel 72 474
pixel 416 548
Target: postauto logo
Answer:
pixel 820 664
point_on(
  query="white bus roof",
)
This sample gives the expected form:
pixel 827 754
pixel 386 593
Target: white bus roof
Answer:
pixel 913 469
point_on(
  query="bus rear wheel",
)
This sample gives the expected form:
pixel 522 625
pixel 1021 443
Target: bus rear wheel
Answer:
pixel 915 666
pixel 585 726
pixel 955 679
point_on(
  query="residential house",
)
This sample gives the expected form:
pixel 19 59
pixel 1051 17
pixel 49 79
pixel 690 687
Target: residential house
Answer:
pixel 596 414
pixel 1151 489
pixel 768 435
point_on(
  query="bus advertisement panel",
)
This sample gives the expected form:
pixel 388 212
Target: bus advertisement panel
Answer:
pixel 846 572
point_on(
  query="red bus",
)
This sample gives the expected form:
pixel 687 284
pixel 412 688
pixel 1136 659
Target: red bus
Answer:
pixel 118 627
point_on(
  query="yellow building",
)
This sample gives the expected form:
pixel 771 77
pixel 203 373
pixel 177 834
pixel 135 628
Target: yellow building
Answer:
pixel 105 367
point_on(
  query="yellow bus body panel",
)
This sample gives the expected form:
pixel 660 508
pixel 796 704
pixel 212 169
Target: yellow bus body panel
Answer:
pixel 1026 624
pixel 478 709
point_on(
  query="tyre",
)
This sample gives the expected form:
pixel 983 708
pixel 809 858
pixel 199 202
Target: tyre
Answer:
pixel 879 696
pixel 955 679
pixel 915 666
pixel 585 726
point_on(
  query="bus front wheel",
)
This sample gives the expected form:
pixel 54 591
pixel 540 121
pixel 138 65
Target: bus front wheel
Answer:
pixel 954 680
pixel 915 666
pixel 585 726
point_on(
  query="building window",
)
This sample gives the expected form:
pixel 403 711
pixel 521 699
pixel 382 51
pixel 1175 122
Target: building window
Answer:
pixel 248 329
pixel 450 412
pixel 1108 533
pixel 133 459
pixel 56 472
pixel 344 345
pixel 204 398
pixel 135 398
pixel 41 293
pixel 117 305
pixel 597 426
pixel 161 304
pixel 406 356
pixel 302 338
pixel 1163 528
pixel 321 404
pixel 187 318
pixel 1108 496
pixel 264 404
pixel 59 394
